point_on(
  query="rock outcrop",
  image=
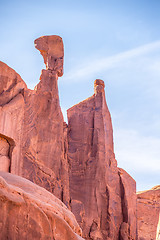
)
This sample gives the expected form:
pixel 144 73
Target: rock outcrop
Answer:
pixel 32 124
pixel 44 159
pixel 100 198
pixel 31 212
pixel 4 155
pixel 11 84
pixel 148 212
pixel 12 89
pixel 75 162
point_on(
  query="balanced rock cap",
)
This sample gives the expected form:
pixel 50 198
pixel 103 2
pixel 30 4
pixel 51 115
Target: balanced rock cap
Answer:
pixel 52 50
pixel 98 86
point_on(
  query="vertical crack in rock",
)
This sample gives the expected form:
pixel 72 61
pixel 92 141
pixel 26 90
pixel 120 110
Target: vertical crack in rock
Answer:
pixel 123 202
pixel 128 226
pixel 108 214
pixel 124 231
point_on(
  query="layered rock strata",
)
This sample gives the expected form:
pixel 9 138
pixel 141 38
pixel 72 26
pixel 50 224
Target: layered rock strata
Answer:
pixel 44 159
pixel 148 213
pixel 12 89
pixel 30 212
pixel 76 162
pixel 100 198
pixel 31 122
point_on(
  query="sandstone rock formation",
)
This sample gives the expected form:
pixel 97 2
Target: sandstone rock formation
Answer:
pixel 148 212
pixel 11 84
pixel 51 48
pixel 100 198
pixel 30 212
pixel 75 162
pixel 4 155
pixel 11 118
pixel 31 122
pixel 44 159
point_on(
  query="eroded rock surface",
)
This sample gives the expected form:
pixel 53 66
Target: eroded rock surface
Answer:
pixel 148 211
pixel 76 162
pixel 4 155
pixel 51 48
pixel 33 121
pixel 11 84
pixel 97 198
pixel 128 229
pixel 12 89
pixel 44 159
pixel 30 212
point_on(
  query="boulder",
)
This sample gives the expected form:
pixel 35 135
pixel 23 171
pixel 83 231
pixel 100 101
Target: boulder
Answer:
pixel 31 212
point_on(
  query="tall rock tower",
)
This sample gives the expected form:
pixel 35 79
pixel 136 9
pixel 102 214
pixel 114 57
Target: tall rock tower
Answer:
pixel 43 146
pixel 99 198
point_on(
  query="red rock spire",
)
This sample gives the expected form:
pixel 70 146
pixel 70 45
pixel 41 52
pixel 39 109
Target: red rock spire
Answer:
pixel 51 48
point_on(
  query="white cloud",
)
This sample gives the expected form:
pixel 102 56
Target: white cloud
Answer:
pixel 139 156
pixel 135 151
pixel 93 66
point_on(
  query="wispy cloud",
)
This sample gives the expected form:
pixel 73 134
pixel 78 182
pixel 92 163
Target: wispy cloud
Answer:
pixel 138 154
pixel 93 66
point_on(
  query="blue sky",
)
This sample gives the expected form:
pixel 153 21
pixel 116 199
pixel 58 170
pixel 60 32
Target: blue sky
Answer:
pixel 117 41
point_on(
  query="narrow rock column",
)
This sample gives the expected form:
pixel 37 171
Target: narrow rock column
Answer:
pixel 44 161
pixel 94 180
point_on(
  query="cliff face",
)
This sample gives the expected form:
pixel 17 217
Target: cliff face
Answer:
pixel 75 162
pixel 12 89
pixel 43 147
pixel 31 123
pixel 98 192
pixel 148 214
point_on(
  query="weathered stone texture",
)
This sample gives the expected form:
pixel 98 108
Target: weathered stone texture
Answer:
pixel 75 162
pixel 32 123
pixel 95 188
pixel 148 211
pixel 11 115
pixel 51 48
pixel 44 160
pixel 11 84
pixel 128 229
pixel 4 155
pixel 30 212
